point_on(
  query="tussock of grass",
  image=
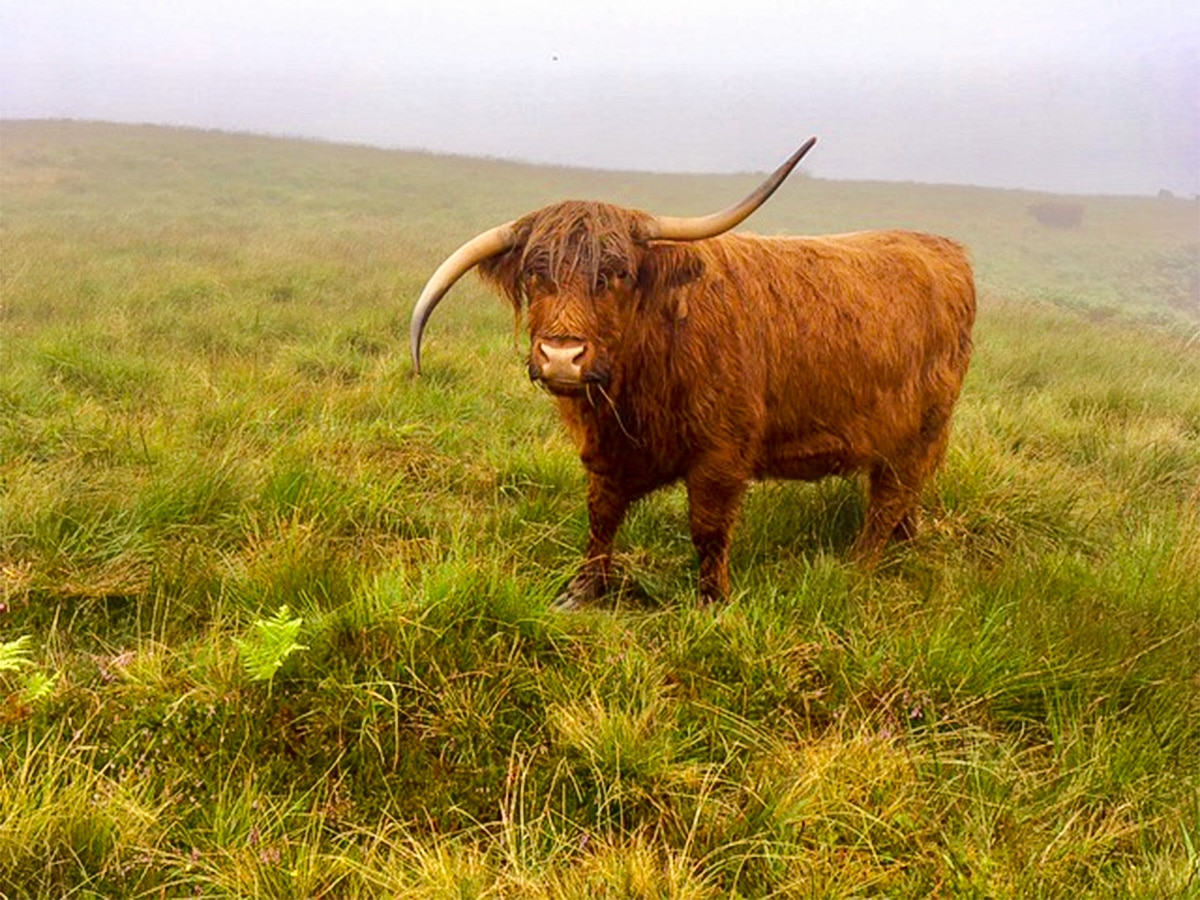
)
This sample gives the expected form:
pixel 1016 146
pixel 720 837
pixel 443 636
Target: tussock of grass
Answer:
pixel 206 415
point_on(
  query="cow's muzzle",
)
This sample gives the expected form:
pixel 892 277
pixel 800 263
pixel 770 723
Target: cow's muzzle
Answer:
pixel 564 365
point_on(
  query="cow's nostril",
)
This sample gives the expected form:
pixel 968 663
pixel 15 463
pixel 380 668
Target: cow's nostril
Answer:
pixel 562 355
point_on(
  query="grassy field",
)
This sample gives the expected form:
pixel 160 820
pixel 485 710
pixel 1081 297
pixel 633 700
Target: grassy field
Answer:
pixel 206 415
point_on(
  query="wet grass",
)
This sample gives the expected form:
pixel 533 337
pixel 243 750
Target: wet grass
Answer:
pixel 206 414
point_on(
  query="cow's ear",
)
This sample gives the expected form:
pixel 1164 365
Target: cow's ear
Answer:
pixel 665 269
pixel 503 272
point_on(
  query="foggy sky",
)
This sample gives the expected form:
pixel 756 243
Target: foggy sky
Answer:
pixel 1061 95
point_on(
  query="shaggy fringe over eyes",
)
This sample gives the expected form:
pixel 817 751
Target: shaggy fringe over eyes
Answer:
pixel 568 241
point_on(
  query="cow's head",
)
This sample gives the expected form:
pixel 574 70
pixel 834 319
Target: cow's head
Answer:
pixel 584 271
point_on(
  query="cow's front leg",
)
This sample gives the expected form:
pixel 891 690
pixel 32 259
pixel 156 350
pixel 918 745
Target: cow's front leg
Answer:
pixel 714 500
pixel 607 503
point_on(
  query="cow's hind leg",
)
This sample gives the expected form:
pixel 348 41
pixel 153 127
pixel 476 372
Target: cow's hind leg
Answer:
pixel 892 509
pixel 935 436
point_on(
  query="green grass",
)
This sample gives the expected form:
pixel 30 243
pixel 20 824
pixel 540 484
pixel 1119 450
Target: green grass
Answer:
pixel 206 414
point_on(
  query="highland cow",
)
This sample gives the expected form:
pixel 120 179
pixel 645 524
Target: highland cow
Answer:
pixel 676 352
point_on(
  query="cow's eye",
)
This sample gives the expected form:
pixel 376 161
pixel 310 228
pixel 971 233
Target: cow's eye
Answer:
pixel 612 280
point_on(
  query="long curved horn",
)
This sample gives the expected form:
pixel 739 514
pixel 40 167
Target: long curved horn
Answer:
pixel 483 246
pixel 673 228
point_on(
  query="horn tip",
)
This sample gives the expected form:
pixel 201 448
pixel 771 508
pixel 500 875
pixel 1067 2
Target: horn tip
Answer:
pixel 414 352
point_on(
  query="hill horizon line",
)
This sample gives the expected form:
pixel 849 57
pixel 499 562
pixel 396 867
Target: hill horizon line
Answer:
pixel 534 164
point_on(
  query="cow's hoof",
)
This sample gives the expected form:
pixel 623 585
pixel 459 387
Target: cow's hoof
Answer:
pixel 582 591
pixel 568 602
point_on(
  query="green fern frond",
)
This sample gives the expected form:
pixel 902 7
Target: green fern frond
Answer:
pixel 38 686
pixel 14 655
pixel 268 643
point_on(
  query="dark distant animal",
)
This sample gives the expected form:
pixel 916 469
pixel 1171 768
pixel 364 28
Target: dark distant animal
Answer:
pixel 676 351
pixel 1057 213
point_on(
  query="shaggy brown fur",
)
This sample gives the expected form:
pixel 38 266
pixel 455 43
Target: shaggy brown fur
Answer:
pixel 739 358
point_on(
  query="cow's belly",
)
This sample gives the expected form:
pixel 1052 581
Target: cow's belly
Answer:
pixel 807 459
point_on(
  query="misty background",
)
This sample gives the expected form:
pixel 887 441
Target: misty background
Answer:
pixel 1054 95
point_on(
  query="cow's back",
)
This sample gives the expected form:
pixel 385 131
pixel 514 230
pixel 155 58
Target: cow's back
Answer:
pixel 839 345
